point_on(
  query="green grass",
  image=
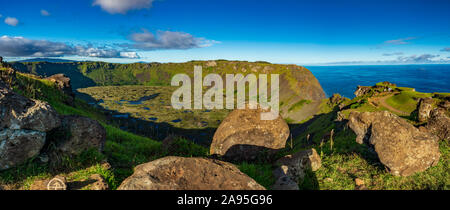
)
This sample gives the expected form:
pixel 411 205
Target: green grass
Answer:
pixel 297 106
pixel 261 173
pixel 406 100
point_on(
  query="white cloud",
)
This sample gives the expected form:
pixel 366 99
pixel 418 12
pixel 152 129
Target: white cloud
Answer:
pixel 23 47
pixel 167 40
pixel 391 54
pixel 11 21
pixel 425 58
pixel 122 6
pixel 400 41
pixel 44 12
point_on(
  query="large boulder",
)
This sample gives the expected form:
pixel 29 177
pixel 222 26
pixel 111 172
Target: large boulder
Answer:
pixel 23 126
pixel 424 109
pixel 179 173
pixel 439 124
pixel 17 146
pixel 243 135
pixel 400 146
pixel 83 134
pixel 18 112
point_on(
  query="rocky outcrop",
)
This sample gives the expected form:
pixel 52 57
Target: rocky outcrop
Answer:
pixel 23 126
pixel 439 124
pixel 296 165
pixel 424 109
pixel 179 173
pixel 8 75
pixel 242 135
pixel 400 146
pixel 84 133
pixel 335 99
pixel 63 84
pixel 361 90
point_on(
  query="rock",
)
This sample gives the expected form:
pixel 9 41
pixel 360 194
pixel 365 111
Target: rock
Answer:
pixel 18 112
pixel 445 105
pixel 295 166
pixel 361 90
pixel 179 173
pixel 359 182
pixel 340 116
pixel 63 84
pixel 439 124
pixel 99 184
pixel 17 146
pixel 400 146
pixel 94 182
pixel 360 185
pixel 424 109
pixel 57 183
pixel 335 99
pixel 211 64
pixel 8 75
pixel 242 135
pixel 285 183
pixel 167 142
pixel 84 133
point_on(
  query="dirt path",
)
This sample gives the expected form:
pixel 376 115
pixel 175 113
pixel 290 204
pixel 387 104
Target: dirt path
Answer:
pixel 382 101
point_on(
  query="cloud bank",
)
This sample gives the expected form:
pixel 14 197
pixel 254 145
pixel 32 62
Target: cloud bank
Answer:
pixel 11 21
pixel 122 6
pixel 447 49
pixel 146 40
pixel 22 47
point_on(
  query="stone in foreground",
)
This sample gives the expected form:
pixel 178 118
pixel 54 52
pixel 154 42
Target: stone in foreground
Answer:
pixel 18 112
pixel 295 166
pixel 85 134
pixel 179 173
pixel 439 124
pixel 17 146
pixel 400 146
pixel 243 135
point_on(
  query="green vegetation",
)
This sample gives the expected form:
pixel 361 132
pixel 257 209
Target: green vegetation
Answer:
pixel 261 173
pixel 297 106
pixel 406 100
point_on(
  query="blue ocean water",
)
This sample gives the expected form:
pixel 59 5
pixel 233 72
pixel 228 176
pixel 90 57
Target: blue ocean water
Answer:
pixel 344 79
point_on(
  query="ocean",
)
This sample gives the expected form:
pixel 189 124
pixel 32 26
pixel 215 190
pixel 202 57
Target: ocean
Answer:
pixel 344 79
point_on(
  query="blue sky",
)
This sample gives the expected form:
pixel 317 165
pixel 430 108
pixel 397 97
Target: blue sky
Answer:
pixel 278 31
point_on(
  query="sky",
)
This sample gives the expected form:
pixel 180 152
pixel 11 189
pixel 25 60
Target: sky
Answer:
pixel 278 31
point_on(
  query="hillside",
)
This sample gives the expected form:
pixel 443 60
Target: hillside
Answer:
pixel 300 91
